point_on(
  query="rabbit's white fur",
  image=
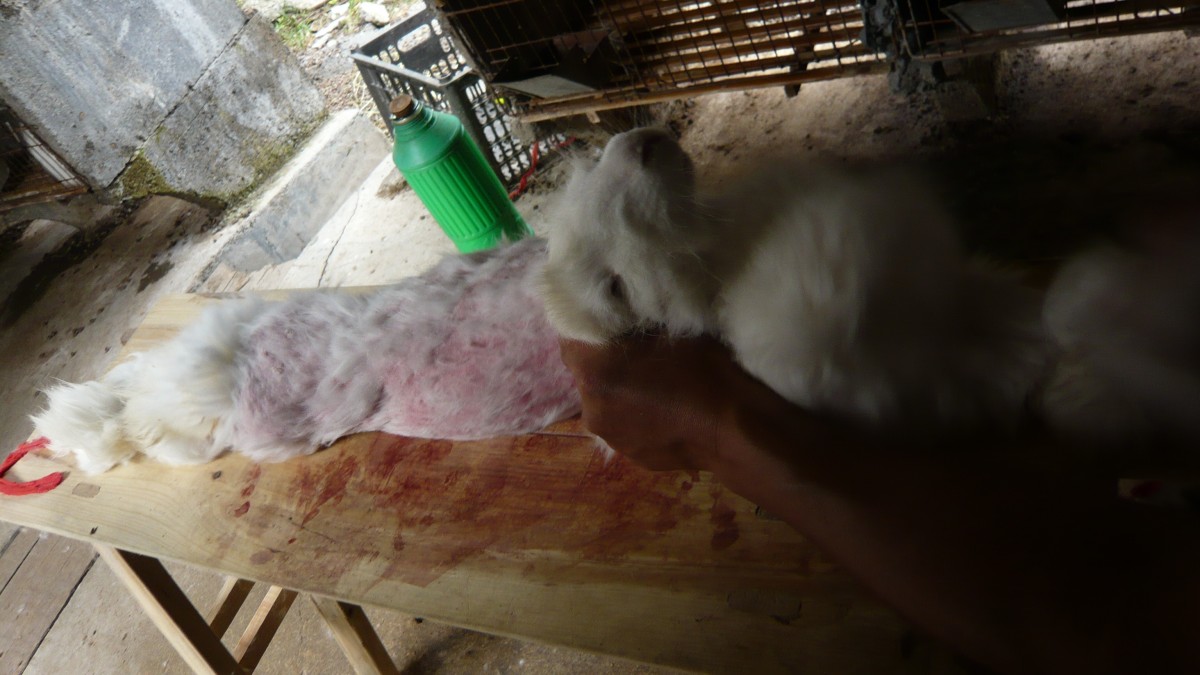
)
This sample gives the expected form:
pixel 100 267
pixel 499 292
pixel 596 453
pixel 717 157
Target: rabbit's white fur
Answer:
pixel 463 351
pixel 845 291
pixel 842 289
pixel 172 403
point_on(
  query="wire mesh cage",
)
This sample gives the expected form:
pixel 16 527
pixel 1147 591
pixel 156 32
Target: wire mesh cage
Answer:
pixel 931 30
pixel 417 57
pixel 31 172
pixel 576 56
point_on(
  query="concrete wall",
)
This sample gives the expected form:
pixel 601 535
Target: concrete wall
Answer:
pixel 174 96
pixel 242 119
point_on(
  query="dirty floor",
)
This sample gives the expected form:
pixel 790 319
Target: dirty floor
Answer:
pixel 1072 124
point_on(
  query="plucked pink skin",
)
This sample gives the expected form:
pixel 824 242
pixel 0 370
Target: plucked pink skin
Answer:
pixel 463 351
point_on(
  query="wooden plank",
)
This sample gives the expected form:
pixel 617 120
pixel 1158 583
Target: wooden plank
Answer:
pixel 760 68
pixel 355 635
pixel 36 593
pixel 258 635
pixel 229 601
pixel 171 611
pixel 797 33
pixel 508 536
pixel 17 545
pixel 642 18
pixel 725 57
pixel 535 537
pixel 548 109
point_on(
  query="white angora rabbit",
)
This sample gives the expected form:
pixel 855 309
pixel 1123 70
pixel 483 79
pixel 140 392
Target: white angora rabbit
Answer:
pixel 844 290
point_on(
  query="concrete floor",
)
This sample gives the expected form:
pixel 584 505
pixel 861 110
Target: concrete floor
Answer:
pixel 1072 119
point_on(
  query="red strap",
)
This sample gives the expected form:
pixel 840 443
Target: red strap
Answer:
pixel 533 162
pixel 35 486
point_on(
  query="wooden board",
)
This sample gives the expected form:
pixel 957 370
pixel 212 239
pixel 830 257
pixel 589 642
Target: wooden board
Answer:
pixel 29 604
pixel 534 537
pixel 17 543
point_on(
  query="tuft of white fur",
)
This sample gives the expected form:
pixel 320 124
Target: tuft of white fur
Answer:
pixel 165 403
pixel 85 421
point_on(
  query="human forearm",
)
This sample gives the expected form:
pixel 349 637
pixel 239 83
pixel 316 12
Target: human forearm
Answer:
pixel 1021 571
pixel 1019 556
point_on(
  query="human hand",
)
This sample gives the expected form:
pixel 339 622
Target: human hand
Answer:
pixel 656 400
pixel 665 403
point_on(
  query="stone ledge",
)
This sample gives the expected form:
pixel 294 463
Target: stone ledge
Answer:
pixel 307 191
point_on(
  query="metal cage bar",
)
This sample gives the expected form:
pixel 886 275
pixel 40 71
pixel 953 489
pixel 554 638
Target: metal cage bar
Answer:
pixel 604 54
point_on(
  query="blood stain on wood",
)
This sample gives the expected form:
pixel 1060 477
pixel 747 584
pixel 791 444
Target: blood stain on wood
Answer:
pixel 241 510
pixel 262 557
pixel 385 455
pixel 323 483
pixel 436 504
pixel 627 508
pixel 455 506
pixel 252 480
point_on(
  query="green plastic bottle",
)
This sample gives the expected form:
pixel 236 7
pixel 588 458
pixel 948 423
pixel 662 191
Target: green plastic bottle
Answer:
pixel 451 176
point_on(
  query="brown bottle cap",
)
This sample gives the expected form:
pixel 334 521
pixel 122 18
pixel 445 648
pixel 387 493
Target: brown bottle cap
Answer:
pixel 402 106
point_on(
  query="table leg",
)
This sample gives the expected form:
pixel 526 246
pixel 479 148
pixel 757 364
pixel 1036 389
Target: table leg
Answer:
pixel 233 594
pixel 258 635
pixel 357 638
pixel 171 611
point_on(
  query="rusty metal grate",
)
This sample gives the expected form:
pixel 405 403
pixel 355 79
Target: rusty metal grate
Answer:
pixel 572 57
pixel 577 56
pixel 30 171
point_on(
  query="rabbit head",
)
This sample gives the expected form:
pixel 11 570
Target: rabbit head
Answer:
pixel 626 250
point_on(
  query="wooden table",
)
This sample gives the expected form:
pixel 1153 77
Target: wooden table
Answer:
pixel 535 537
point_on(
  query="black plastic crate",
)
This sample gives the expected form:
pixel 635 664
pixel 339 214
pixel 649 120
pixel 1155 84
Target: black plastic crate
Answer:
pixel 418 58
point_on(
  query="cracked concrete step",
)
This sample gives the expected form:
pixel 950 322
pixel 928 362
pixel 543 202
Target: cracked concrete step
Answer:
pixel 302 196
